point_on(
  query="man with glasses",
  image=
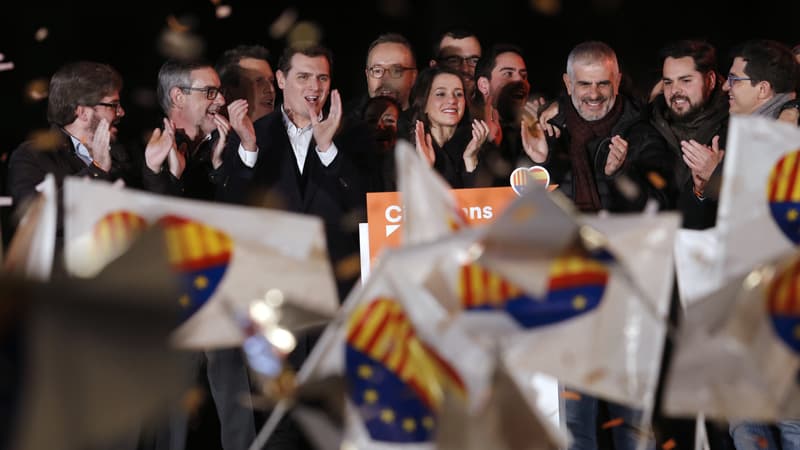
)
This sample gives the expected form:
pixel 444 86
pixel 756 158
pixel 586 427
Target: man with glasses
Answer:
pixel 762 78
pixel 84 109
pixel 459 50
pixel 184 160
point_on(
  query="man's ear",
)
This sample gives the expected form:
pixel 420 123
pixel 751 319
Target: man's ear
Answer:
pixel 177 96
pixel 765 89
pixel 483 86
pixel 567 83
pixel 82 113
pixel 711 80
pixel 280 77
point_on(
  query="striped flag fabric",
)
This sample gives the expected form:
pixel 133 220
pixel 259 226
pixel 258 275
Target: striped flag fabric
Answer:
pixel 225 256
pixel 522 177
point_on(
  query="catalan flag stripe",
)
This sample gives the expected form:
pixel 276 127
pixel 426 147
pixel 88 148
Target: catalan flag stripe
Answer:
pixel 785 176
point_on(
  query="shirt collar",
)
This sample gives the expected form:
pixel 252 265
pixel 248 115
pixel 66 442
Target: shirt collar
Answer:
pixel 291 127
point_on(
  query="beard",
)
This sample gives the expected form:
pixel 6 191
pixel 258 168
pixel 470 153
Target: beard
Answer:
pixel 95 122
pixel 685 116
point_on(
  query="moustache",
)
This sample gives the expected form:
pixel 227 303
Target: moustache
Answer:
pixel 675 98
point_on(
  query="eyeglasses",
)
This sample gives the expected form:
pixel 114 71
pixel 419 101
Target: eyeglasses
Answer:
pixel 457 61
pixel 116 105
pixel 393 71
pixel 733 78
pixel 211 91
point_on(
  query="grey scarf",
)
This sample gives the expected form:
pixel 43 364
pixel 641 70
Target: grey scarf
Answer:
pixel 773 106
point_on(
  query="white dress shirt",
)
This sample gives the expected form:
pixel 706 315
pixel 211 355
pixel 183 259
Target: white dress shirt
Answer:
pixel 81 150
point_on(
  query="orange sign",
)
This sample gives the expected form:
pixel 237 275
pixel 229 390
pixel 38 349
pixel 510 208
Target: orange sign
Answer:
pixel 385 212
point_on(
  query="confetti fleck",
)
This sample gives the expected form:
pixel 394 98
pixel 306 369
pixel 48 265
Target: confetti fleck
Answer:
pixel 41 34
pixel 223 11
pixel 613 423
pixel 175 25
pixel 762 442
pixel 37 89
pixel 595 376
pixel 180 45
pixel 283 23
pixel 304 34
pixel 627 187
pixel 215 2
pixel 45 140
pixel 570 395
pixel 348 267
pixel 669 445
pixel 192 400
pixel 547 7
pixel 656 180
pixel 5 66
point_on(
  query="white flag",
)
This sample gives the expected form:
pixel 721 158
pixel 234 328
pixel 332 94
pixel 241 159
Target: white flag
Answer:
pixel 32 248
pixel 225 256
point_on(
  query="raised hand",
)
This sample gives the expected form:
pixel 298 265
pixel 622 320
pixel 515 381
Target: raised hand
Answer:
pixel 550 112
pixel 100 148
pixel 617 150
pixel 159 145
pixel 177 160
pixel 424 143
pixel 701 160
pixel 480 132
pixel 326 129
pixel 223 127
pixel 534 141
pixel 241 124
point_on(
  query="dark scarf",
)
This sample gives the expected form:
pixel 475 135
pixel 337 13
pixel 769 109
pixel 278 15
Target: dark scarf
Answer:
pixel 581 133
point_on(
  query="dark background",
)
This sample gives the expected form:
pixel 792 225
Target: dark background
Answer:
pixel 125 34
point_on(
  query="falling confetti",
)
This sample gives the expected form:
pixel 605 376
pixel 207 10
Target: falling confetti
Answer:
pixel 45 140
pixel 547 7
pixel 304 34
pixel 627 188
pixel 223 11
pixel 215 2
pixel 656 180
pixel 192 400
pixel 180 45
pixel 570 395
pixel 175 25
pixel 669 445
pixel 283 23
pixel 348 267
pixel 41 34
pixel 613 423
pixel 37 89
pixel 8 65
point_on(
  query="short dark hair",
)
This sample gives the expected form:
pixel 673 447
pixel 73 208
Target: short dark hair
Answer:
pixel 79 83
pixel 227 65
pixel 285 61
pixel 422 90
pixel 769 61
pixel 488 61
pixel 175 73
pixel 391 38
pixel 456 33
pixel 702 53
pixel 378 104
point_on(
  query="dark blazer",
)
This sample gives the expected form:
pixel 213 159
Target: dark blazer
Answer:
pixel 336 193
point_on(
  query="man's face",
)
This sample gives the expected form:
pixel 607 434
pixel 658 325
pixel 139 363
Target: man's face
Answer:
pixel 594 88
pixel 306 85
pixel 445 104
pixel 198 109
pixel 112 114
pixel 743 96
pixel 461 55
pixel 393 58
pixel 259 79
pixel 509 68
pixel 686 90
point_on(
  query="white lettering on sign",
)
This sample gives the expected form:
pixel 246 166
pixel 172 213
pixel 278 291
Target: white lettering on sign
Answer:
pixel 479 213
pixel 393 214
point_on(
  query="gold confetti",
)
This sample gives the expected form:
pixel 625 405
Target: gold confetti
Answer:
pixel 176 25
pixel 547 7
pixel 656 180
pixel 223 11
pixel 570 395
pixel 669 445
pixel 304 34
pixel 180 45
pixel 215 2
pixel 348 267
pixel 283 23
pixel 37 89
pixel 45 140
pixel 41 34
pixel 762 442
pixel 613 423
pixel 192 400
pixel 595 376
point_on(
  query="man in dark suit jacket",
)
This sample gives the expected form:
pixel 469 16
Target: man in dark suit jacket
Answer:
pixel 84 109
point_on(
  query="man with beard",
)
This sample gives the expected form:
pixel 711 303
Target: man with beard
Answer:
pixel 459 50
pixel 83 109
pixel 245 73
pixel 692 116
pixel 502 91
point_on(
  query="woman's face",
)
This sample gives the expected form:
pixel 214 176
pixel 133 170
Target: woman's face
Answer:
pixel 446 102
pixel 385 125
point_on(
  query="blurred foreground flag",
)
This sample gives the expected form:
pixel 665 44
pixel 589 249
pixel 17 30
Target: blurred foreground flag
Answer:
pixel 760 194
pixel 738 353
pixel 598 322
pixel 86 347
pixel 225 256
pixel 430 211
pixel 399 357
pixel 32 247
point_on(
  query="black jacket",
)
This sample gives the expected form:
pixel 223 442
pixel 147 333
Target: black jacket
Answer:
pixel 198 180
pixel 648 167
